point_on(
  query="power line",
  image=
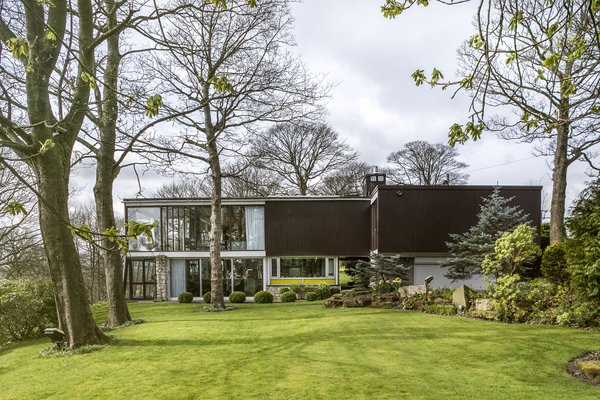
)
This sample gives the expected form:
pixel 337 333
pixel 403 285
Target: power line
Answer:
pixel 499 165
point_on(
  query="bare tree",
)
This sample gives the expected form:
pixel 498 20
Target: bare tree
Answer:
pixel 424 163
pixel 184 188
pixel 301 153
pixel 226 69
pixel 347 181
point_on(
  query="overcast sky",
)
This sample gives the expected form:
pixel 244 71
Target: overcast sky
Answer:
pixel 375 105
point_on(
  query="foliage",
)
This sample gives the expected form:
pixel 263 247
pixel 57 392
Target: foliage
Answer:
pixel 311 296
pixel 237 297
pixel 282 290
pixel 583 249
pixel 323 291
pixel 506 294
pixel 185 297
pixel 263 297
pixel 424 163
pixel 298 289
pixel 554 264
pixel 207 297
pixel 512 251
pixel 440 309
pixel 288 297
pixel 27 307
pixel 379 268
pixel 468 249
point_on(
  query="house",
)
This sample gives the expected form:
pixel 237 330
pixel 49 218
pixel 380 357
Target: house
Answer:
pixel 276 241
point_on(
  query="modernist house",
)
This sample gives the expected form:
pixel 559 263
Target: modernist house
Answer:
pixel 275 241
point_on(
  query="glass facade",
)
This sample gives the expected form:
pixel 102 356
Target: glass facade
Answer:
pixel 187 228
pixel 142 279
pixel 193 275
pixel 146 215
pixel 302 267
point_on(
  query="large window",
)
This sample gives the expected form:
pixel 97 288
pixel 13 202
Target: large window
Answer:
pixel 248 275
pixel 142 279
pixel 146 215
pixel 306 267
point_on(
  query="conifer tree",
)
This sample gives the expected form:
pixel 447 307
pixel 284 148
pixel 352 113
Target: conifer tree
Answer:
pixel 468 249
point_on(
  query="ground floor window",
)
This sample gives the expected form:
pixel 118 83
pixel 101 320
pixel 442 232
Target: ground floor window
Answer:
pixel 193 275
pixel 303 267
pixel 142 279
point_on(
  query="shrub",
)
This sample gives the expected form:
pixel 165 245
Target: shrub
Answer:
pixel 185 297
pixel 297 288
pixel 513 250
pixel 311 296
pixel 26 307
pixel 263 297
pixel 554 264
pixel 207 297
pixel 323 292
pixel 237 297
pixel 334 290
pixel 288 297
pixel 440 309
pixel 282 290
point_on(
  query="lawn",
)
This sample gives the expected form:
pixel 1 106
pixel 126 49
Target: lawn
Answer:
pixel 303 351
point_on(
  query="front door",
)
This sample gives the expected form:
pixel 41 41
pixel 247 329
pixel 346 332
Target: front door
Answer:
pixel 142 282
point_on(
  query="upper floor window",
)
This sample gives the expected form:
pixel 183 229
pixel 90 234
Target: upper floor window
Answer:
pixel 146 215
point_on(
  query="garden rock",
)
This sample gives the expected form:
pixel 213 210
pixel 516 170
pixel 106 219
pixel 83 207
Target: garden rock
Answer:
pixel 386 300
pixel 461 297
pixel 411 290
pixel 484 305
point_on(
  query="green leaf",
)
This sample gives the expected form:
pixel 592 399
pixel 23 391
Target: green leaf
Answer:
pixel 221 84
pixel 51 36
pixel 89 79
pixel 578 50
pixel 83 231
pixel 460 135
pixel 515 21
pixel 419 77
pixel 153 105
pixel 552 29
pixel 252 3
pixel 218 3
pixel 14 208
pixel 567 88
pixel 467 82
pixel 511 57
pixel 392 8
pixel 552 61
pixel 18 47
pixel 44 147
pixel 476 41
pixel 436 75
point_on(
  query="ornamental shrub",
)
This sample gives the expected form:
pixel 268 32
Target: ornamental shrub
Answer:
pixel 297 288
pixel 323 292
pixel 263 297
pixel 440 309
pixel 237 297
pixel 282 290
pixel 311 296
pixel 288 297
pixel 27 307
pixel 207 297
pixel 554 264
pixel 185 297
pixel 512 251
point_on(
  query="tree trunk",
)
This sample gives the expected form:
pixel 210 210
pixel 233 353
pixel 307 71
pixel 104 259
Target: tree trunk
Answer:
pixel 106 172
pixel 75 315
pixel 559 184
pixel 216 226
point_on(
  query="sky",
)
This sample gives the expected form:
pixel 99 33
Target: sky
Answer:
pixel 376 107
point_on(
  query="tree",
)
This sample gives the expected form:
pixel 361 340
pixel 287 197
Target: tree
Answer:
pixel 226 69
pixel 512 251
pixel 379 267
pixel 301 153
pixel 50 42
pixel 184 188
pixel 347 181
pixel 423 163
pixel 583 248
pixel 468 249
pixel 536 62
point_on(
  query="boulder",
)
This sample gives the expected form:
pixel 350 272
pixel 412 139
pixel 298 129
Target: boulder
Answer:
pixel 411 290
pixel 461 297
pixel 484 305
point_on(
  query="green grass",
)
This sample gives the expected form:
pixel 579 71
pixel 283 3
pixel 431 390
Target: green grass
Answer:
pixel 303 351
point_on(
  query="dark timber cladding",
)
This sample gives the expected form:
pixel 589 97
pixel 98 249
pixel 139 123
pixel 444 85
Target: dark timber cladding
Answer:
pixel 418 219
pixel 334 227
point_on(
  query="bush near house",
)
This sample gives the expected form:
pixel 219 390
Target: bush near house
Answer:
pixel 554 264
pixel 27 307
pixel 288 297
pixel 282 290
pixel 263 297
pixel 237 297
pixel 185 297
pixel 207 297
pixel 311 296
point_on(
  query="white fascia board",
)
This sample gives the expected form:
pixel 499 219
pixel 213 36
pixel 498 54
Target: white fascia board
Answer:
pixel 197 254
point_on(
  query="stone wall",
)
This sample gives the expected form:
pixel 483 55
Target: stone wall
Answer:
pixel 162 273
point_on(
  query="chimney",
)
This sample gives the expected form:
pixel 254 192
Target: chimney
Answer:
pixel 373 180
